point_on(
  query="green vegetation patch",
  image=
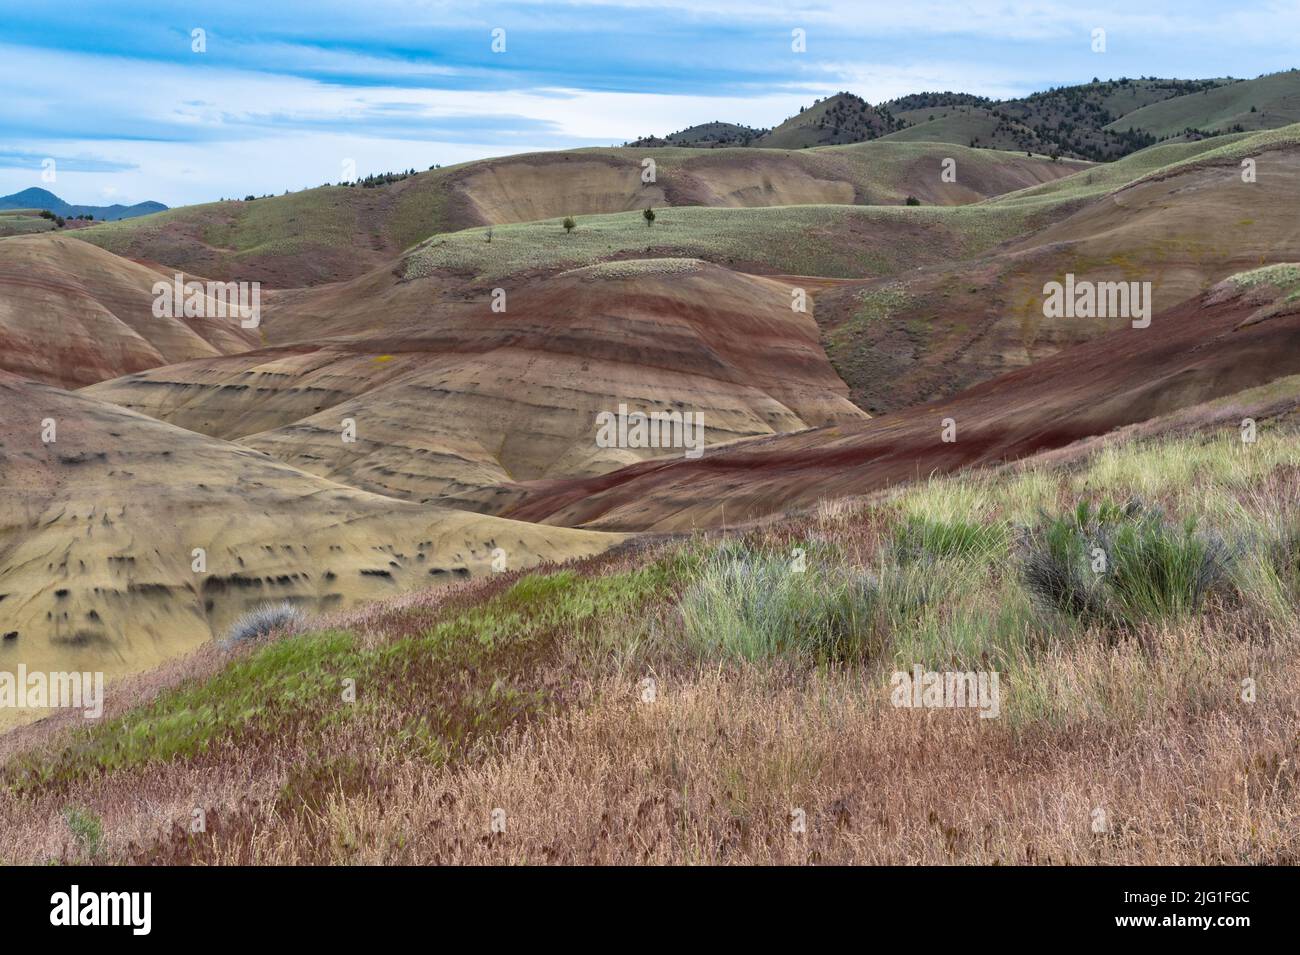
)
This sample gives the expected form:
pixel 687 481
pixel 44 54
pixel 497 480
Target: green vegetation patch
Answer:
pixel 1120 567
pixel 1108 177
pixel 1284 276
pixel 87 831
pixel 472 674
pixel 827 240
pixel 24 222
pixel 753 605
pixel 629 268
pixel 920 539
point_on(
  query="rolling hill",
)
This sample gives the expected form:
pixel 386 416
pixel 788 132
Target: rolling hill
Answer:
pixel 24 222
pixel 705 136
pixel 833 121
pixel 1099 121
pixel 1242 106
pixel 72 314
pixel 517 393
pixel 1241 334
pixel 337 233
pixel 1178 216
pixel 1090 120
pixel 234 436
pixel 974 126
pixel 959 303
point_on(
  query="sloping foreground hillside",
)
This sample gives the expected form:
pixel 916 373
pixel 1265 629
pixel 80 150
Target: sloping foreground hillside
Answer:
pixel 1245 332
pixel 99 526
pixel 740 701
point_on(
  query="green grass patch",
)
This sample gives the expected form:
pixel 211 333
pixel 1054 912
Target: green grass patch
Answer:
pixel 471 674
pixel 755 605
pixel 87 831
pixel 920 539
pixel 830 240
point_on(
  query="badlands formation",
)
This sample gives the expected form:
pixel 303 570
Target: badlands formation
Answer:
pixel 419 401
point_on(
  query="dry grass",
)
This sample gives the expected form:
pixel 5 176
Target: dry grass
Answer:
pixel 711 771
pixel 1136 747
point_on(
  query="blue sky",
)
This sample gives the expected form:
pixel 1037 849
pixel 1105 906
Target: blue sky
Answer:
pixel 286 93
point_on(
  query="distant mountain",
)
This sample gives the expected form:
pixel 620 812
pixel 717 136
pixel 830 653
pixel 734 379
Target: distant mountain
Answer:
pixel 1101 120
pixel 44 199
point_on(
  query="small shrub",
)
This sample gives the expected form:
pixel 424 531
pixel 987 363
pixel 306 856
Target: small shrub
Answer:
pixel 569 224
pixel 265 620
pixel 913 201
pixel 1121 566
pixel 87 831
pixel 756 605
pixel 649 215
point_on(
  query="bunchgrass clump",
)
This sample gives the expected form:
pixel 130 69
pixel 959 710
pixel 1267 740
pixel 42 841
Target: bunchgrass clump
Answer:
pixel 1271 574
pixel 755 605
pixel 1121 566
pixel 1284 557
pixel 87 831
pixel 920 538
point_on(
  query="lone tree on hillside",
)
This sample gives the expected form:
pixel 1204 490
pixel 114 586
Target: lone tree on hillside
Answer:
pixel 569 224
pixel 649 216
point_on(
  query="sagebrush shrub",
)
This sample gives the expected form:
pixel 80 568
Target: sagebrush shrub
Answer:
pixel 265 620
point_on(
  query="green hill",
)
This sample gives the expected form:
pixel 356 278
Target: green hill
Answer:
pixel 1241 106
pixel 705 135
pixel 1100 120
pixel 340 232
pixel 975 126
pixel 842 118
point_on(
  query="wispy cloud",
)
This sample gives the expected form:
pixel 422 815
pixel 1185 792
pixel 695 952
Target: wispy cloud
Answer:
pixel 36 162
pixel 282 90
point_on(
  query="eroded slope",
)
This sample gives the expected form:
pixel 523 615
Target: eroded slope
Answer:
pixel 98 531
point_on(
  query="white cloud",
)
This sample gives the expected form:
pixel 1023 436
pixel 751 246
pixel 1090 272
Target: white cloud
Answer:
pixel 208 125
pixel 239 132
